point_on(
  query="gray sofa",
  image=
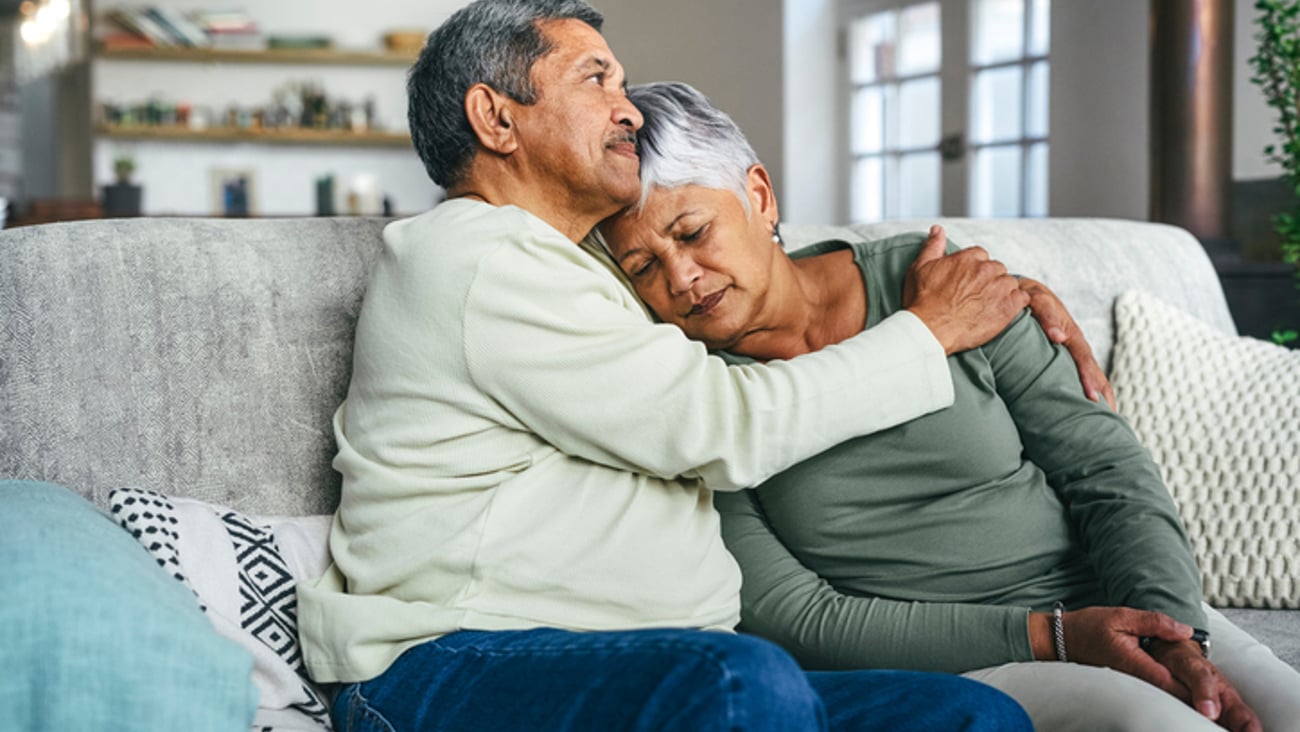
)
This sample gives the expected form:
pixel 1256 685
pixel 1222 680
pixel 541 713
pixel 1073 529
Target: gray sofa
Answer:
pixel 204 358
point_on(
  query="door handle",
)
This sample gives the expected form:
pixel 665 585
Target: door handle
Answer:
pixel 952 146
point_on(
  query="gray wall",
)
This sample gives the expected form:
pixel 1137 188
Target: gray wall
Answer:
pixel 1099 117
pixel 37 102
pixel 11 151
pixel 56 135
pixel 729 49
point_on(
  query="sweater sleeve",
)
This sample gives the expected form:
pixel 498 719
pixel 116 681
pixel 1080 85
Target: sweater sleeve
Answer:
pixel 784 601
pixel 558 348
pixel 1124 518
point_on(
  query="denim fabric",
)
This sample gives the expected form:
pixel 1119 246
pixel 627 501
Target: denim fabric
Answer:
pixel 651 680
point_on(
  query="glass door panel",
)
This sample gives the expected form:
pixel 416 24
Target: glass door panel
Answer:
pixel 919 44
pixel 999 31
pixel 1036 100
pixel 918 185
pixel 1036 181
pixel 895 56
pixel 947 107
pixel 995 184
pixel 996 111
pixel 868 128
pixel 868 190
pixel 918 113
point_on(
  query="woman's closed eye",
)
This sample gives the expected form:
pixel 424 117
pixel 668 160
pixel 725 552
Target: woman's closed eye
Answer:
pixel 693 235
pixel 642 268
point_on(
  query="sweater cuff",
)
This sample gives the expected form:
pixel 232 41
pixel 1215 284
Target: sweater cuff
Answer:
pixel 932 359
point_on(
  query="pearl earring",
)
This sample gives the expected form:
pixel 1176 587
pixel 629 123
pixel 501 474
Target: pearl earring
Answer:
pixel 776 234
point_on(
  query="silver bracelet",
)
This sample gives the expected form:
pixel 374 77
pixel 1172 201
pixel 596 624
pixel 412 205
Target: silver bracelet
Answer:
pixel 1058 631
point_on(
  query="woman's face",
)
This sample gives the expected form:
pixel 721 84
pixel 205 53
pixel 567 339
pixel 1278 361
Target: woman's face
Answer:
pixel 698 260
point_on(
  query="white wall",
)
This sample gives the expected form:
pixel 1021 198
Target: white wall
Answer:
pixel 812 78
pixel 730 49
pixel 176 176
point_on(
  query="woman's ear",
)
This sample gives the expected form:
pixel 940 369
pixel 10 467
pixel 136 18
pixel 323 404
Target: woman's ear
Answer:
pixel 762 199
pixel 490 116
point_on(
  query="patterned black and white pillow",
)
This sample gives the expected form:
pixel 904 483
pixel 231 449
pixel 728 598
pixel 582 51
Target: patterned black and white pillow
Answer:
pixel 244 584
pixel 151 519
pixel 268 605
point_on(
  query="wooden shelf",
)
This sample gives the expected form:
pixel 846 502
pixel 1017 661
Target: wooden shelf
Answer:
pixel 288 136
pixel 324 56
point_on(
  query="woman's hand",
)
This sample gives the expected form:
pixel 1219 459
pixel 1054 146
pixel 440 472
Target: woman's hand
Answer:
pixel 1111 637
pixel 1204 687
pixel 1060 327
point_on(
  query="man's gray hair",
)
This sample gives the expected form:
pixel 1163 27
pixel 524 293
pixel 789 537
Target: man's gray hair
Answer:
pixel 687 141
pixel 493 42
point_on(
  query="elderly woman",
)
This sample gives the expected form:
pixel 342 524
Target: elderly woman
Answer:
pixel 1024 524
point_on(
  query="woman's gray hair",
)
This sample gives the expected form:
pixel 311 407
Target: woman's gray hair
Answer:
pixel 493 42
pixel 687 141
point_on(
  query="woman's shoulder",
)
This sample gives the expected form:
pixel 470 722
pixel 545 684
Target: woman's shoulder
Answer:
pixel 892 251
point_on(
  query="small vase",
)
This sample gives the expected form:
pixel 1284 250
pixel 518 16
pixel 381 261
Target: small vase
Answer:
pixel 122 200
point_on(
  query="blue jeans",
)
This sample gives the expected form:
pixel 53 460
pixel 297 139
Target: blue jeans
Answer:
pixel 652 680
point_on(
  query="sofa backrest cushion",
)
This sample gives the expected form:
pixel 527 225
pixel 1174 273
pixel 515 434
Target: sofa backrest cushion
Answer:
pixel 205 357
pixel 196 357
pixel 1087 262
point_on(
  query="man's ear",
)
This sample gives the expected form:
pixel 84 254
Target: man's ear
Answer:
pixel 490 115
pixel 762 199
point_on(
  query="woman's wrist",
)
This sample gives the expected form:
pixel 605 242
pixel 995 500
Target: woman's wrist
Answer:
pixel 1042 642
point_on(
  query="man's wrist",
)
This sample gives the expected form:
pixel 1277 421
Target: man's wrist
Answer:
pixel 941 326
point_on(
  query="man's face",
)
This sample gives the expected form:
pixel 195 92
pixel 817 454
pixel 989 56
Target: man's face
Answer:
pixel 580 135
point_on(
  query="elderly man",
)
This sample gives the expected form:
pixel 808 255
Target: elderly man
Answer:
pixel 526 538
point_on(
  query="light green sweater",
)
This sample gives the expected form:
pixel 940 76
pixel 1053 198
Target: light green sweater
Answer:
pixel 521 447
pixel 925 546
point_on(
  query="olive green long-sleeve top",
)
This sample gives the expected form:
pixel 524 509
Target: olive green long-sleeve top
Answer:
pixel 925 546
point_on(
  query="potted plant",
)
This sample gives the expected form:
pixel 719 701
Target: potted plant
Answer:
pixel 122 197
pixel 123 167
pixel 1277 71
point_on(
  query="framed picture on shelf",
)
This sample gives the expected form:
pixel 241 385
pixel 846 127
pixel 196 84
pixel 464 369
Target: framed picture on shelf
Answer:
pixel 234 192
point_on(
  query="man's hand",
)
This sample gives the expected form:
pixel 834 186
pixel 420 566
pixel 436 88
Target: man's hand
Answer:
pixel 1111 637
pixel 1061 328
pixel 1204 687
pixel 965 298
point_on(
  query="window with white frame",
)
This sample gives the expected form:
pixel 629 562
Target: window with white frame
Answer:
pixel 983 66
pixel 894 60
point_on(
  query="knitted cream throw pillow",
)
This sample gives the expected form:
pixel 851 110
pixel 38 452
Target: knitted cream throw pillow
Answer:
pixel 1221 415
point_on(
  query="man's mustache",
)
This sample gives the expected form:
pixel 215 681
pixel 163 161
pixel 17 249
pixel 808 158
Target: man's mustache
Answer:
pixel 621 137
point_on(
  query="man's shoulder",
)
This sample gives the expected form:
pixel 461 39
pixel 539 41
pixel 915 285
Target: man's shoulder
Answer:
pixel 460 236
pixel 472 250
pixel 461 220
